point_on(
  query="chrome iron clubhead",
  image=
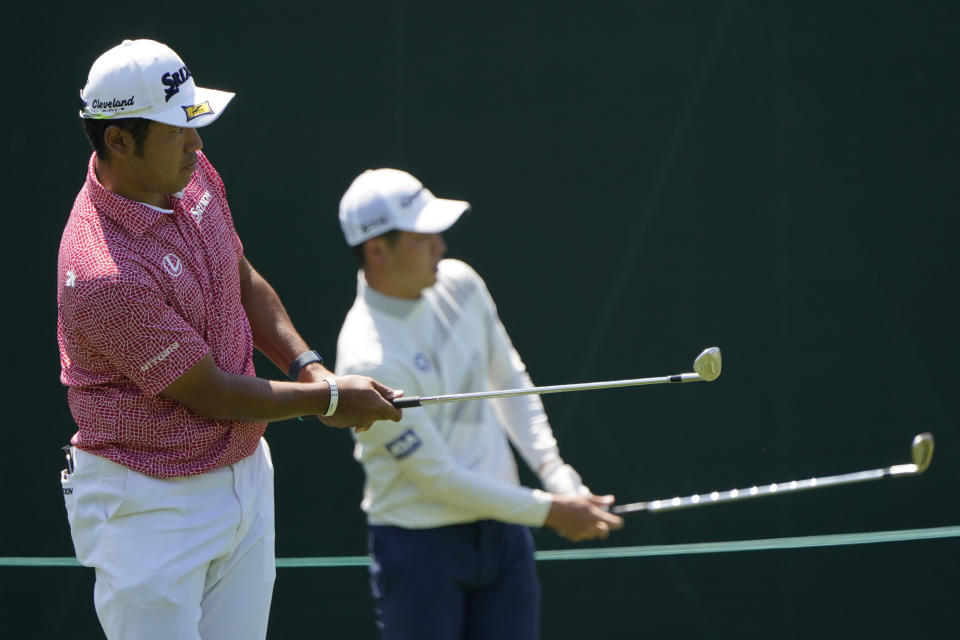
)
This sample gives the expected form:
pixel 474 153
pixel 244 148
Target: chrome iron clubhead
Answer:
pixel 921 451
pixel 708 364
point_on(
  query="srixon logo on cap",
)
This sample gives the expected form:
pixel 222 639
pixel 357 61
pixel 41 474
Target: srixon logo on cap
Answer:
pixel 173 81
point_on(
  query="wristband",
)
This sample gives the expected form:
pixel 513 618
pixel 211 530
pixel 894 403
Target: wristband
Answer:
pixel 301 361
pixel 334 397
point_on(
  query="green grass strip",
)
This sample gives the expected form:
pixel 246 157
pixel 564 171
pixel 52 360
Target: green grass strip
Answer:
pixel 804 542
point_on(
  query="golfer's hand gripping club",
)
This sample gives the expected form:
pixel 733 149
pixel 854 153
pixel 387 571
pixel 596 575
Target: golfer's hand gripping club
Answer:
pixel 582 517
pixel 362 401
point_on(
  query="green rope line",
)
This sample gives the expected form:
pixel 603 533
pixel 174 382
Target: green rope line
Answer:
pixel 834 540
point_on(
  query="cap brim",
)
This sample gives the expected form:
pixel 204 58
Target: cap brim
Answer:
pixel 438 216
pixel 204 107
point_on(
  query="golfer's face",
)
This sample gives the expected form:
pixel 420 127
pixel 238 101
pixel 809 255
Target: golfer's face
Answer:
pixel 413 260
pixel 169 158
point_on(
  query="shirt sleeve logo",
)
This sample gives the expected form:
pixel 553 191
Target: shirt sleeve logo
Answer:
pixel 172 264
pixel 401 447
pixel 160 357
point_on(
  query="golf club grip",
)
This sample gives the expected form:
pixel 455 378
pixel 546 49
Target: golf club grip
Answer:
pixel 626 509
pixel 406 403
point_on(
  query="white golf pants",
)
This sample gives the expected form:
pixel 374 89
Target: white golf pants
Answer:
pixel 176 559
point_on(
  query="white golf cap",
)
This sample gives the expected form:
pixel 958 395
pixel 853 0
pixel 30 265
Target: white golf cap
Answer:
pixel 147 79
pixel 381 200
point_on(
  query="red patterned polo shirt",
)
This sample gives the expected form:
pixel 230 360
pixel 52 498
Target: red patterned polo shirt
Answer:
pixel 144 294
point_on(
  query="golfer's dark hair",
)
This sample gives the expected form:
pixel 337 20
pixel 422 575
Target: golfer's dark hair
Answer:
pixel 390 237
pixel 96 130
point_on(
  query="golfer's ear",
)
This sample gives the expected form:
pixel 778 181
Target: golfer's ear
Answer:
pixel 375 251
pixel 119 141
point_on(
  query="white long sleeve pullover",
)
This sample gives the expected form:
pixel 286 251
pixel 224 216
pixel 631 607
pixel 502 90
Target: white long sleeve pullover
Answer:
pixel 447 463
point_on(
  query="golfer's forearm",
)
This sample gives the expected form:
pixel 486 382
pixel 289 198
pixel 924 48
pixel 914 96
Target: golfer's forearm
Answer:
pixel 256 399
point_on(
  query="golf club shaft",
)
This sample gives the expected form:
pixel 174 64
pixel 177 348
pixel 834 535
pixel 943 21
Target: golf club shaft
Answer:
pixel 776 488
pixel 417 401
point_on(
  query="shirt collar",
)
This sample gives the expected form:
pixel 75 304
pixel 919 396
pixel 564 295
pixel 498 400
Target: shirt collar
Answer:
pixel 399 307
pixel 135 217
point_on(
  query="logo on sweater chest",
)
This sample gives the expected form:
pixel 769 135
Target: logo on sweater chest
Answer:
pixel 422 362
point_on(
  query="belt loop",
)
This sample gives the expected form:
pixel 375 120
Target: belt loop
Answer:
pixel 68 451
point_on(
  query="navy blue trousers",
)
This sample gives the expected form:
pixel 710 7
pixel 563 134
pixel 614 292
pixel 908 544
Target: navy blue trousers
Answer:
pixel 472 581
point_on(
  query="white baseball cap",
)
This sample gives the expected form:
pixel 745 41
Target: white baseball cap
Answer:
pixel 381 200
pixel 147 79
